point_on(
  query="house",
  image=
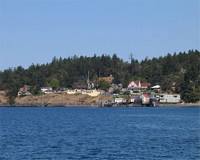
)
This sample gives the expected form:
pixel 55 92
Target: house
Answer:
pixel 145 97
pixel 115 88
pixel 135 99
pixel 156 88
pixel 119 100
pixel 138 85
pixel 70 91
pixel 170 98
pixel 46 90
pixel 74 91
pixel 91 93
pixel 24 91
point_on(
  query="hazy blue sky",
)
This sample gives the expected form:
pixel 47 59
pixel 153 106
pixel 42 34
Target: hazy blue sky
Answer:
pixel 33 31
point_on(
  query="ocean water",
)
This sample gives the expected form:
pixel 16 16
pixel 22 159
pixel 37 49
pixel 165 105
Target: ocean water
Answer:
pixel 99 133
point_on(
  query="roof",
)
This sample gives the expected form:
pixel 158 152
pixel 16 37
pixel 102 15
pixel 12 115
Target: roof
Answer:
pixel 25 88
pixel 156 87
pixel 138 84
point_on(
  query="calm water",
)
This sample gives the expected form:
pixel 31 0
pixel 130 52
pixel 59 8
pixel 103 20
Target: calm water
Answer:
pixel 100 133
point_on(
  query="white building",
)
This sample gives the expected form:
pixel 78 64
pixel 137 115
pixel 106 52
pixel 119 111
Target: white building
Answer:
pixel 119 100
pixel 145 99
pixel 70 91
pixel 91 93
pixel 24 91
pixel 170 98
pixel 46 90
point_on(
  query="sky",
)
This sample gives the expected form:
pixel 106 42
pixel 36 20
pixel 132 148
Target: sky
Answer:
pixel 34 31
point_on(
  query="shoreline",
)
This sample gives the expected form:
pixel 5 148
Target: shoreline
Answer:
pixel 77 100
pixel 97 106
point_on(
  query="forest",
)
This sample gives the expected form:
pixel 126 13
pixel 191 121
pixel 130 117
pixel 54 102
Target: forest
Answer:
pixel 177 72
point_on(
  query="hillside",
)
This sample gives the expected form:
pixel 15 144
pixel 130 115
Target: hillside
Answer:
pixel 178 72
pixel 55 99
pixel 61 99
pixel 3 98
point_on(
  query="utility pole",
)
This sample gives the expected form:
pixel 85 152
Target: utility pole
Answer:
pixel 131 57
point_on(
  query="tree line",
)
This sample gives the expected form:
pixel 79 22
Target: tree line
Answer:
pixel 177 72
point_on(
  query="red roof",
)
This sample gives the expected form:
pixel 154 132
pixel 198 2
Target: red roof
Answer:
pixel 138 84
pixel 145 85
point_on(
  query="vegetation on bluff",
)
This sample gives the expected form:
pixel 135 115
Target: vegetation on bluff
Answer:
pixel 178 72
